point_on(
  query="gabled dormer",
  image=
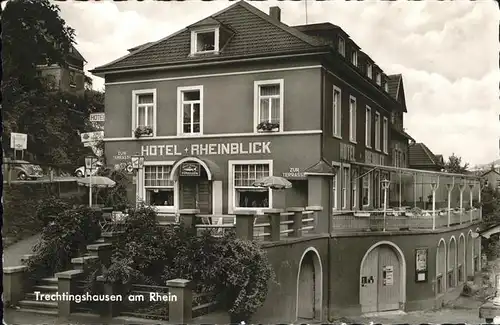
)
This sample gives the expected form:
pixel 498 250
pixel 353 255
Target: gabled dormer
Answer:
pixel 208 36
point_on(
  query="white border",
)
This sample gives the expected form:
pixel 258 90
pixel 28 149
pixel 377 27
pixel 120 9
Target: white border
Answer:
pixel 337 113
pixel 470 242
pixel 463 260
pixel 141 191
pixel 231 200
pixel 368 132
pixel 478 241
pixel 402 266
pixel 385 135
pixel 353 122
pixel 377 141
pixel 198 160
pixel 318 284
pixel 455 262
pixel 194 38
pixel 180 115
pixel 135 93
pixel 443 272
pixel 256 101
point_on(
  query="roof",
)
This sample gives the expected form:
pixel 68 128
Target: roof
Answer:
pixel 247 25
pixel 490 171
pixel 135 48
pixel 393 83
pixel 421 156
pixel 322 167
pixel 77 55
pixel 401 132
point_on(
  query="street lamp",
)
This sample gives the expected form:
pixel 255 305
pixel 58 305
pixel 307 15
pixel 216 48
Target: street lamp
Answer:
pixel 385 186
pixel 90 162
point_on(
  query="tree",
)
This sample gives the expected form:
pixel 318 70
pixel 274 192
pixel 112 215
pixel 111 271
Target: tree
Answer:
pixel 454 165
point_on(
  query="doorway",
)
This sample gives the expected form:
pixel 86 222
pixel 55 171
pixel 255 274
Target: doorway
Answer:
pixel 309 286
pixel 196 192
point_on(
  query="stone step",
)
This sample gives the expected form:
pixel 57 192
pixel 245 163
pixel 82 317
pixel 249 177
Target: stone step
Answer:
pixel 50 281
pixel 46 288
pixel 39 311
pixel 34 304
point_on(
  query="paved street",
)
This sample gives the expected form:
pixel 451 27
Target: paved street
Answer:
pixel 12 254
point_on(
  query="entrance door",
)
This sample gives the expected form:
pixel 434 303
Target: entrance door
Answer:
pixel 306 289
pixel 380 281
pixel 196 193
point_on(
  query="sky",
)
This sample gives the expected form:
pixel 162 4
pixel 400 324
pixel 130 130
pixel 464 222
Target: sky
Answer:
pixel 447 52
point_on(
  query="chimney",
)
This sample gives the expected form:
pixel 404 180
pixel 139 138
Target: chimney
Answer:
pixel 275 13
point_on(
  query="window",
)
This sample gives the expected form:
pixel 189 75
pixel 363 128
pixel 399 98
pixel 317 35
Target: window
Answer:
pixel 144 110
pixel 337 112
pixel 341 46
pixel 269 103
pixel 244 194
pixel 379 79
pixel 354 58
pixel 345 181
pixel 377 131
pixel 354 189
pixel 205 41
pixel 158 188
pixel 403 160
pixel 190 110
pixel 352 119
pixel 386 87
pixel 369 70
pixel 334 192
pixel 386 135
pixel 72 78
pixel 368 127
pixel 366 190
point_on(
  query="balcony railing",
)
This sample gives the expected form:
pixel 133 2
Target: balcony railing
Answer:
pixel 396 220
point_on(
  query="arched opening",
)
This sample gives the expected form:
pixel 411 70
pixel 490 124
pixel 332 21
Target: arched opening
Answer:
pixel 477 253
pixel 195 184
pixel 382 278
pixel 441 267
pixel 469 256
pixel 461 259
pixel 452 263
pixel 309 299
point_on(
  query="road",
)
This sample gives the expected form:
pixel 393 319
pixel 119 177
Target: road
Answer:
pixel 44 179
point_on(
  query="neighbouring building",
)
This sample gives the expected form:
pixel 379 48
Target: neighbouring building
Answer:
pixel 491 178
pixel 69 79
pixel 240 95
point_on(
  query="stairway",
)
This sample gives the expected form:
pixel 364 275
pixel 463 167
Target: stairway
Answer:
pixel 32 304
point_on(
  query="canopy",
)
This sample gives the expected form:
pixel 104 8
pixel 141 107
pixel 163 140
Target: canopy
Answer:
pixel 273 182
pixel 96 181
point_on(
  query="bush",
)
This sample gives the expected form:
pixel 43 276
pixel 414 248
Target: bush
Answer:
pixel 236 271
pixel 115 197
pixel 67 236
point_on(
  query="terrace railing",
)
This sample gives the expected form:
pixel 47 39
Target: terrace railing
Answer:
pixel 394 220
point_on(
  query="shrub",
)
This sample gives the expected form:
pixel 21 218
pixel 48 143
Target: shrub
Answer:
pixel 115 197
pixel 67 236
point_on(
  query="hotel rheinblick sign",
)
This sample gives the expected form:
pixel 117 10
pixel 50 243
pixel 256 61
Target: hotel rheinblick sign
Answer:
pixel 207 149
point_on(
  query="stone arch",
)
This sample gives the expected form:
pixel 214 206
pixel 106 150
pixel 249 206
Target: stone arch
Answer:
pixel 441 258
pixel 477 251
pixel 187 159
pixel 402 267
pixel 452 262
pixel 469 255
pixel 318 282
pixel 461 258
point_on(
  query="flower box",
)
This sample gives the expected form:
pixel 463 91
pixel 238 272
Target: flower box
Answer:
pixel 268 127
pixel 143 131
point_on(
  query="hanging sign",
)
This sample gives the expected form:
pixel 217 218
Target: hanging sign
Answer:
pixel 421 264
pixel 92 136
pixel 97 117
pixel 18 141
pixel 190 169
pixel 388 275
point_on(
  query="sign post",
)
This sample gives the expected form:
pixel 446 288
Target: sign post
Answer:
pixel 18 141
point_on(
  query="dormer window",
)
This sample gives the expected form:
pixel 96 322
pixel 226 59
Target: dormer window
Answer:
pixel 341 46
pixel 354 58
pixel 205 41
pixel 379 79
pixel 369 70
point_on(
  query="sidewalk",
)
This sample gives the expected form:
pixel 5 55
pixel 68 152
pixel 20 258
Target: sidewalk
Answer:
pixel 12 254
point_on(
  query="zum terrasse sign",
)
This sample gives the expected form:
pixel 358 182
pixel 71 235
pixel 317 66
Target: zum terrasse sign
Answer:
pixel 208 149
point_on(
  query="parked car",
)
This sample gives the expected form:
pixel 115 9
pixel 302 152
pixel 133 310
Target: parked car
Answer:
pixel 24 170
pixel 80 171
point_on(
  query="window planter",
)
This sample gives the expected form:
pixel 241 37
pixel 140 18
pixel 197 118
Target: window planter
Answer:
pixel 268 127
pixel 143 131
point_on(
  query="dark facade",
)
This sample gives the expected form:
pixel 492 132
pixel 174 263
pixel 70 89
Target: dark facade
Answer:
pixel 68 79
pixel 240 95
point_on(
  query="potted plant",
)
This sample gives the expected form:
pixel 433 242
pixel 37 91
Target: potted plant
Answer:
pixel 141 131
pixel 268 126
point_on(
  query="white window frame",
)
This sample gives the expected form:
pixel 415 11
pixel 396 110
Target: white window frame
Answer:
pixel 337 113
pixel 377 131
pixel 335 188
pixel 141 188
pixel 352 119
pixel 385 134
pixel 354 188
pixel 354 58
pixel 369 70
pixel 341 49
pixel 231 197
pixel 368 176
pixel 379 79
pixel 345 186
pixel 180 109
pixel 72 73
pixel 256 101
pixel 135 111
pixel 386 87
pixel 194 40
pixel 368 127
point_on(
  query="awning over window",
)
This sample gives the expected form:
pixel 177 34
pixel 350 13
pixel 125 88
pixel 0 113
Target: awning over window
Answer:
pixel 211 168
